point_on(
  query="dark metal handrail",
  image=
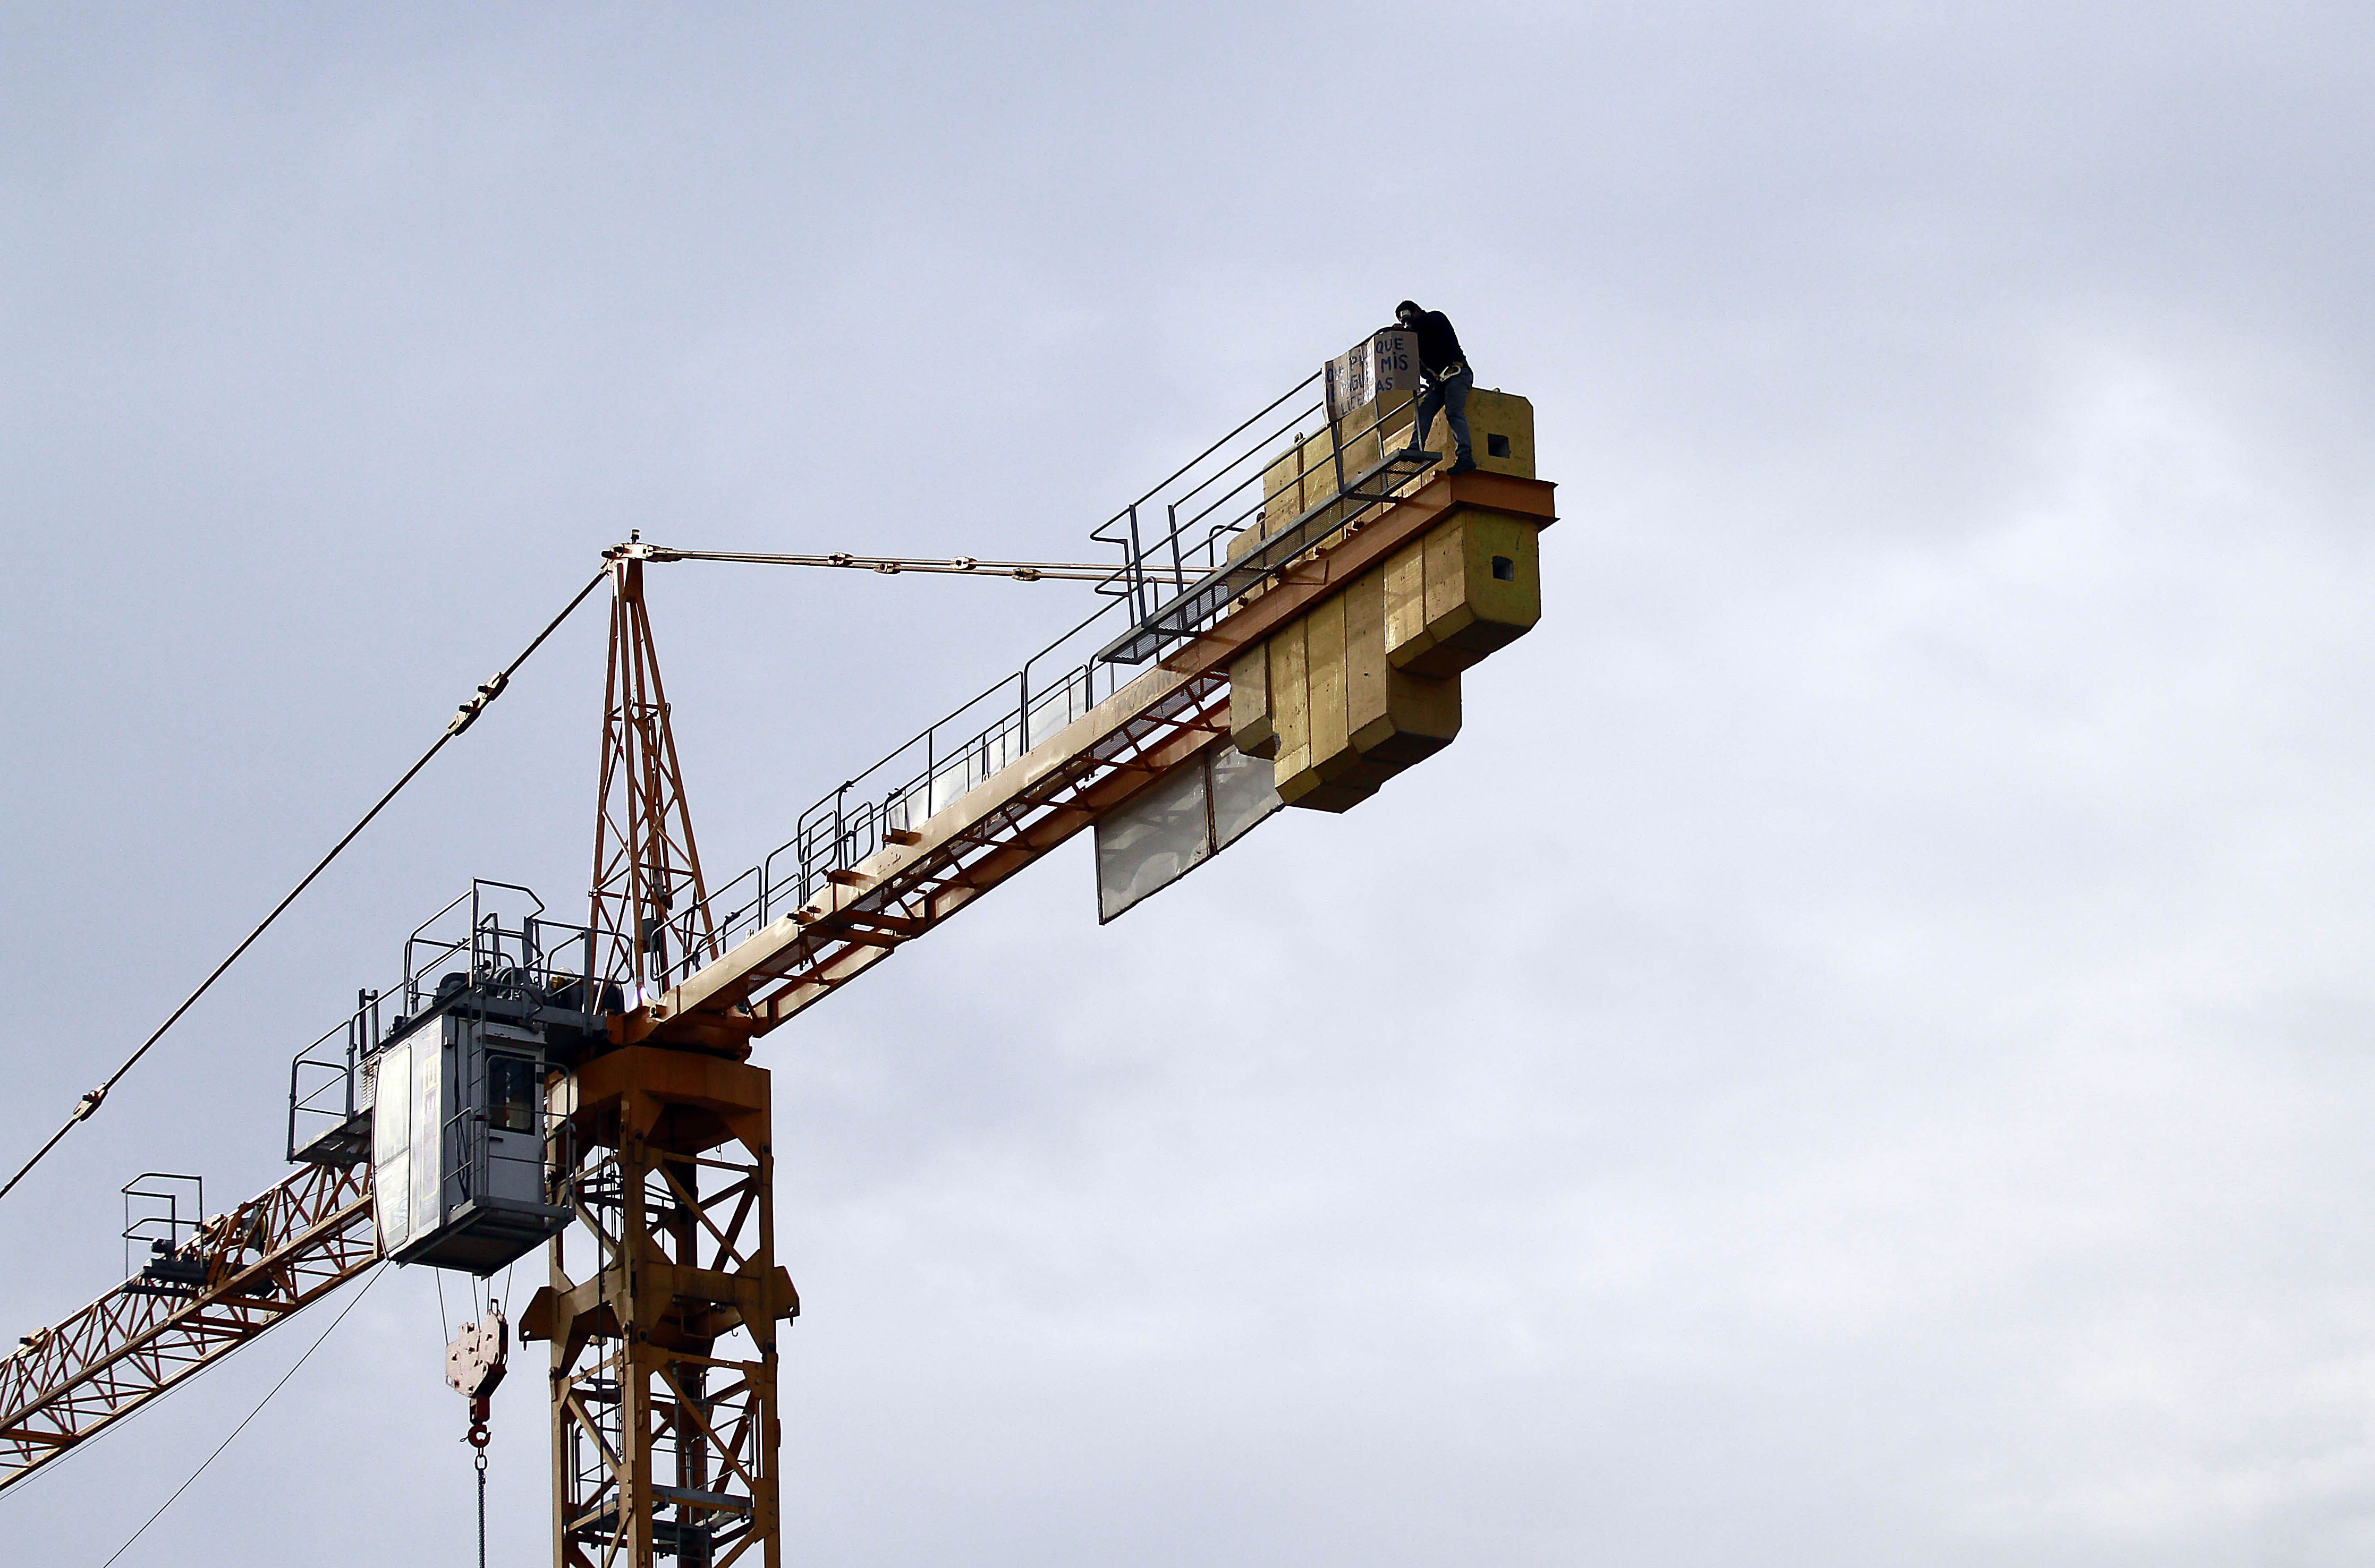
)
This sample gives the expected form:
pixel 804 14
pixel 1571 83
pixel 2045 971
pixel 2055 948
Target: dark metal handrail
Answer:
pixel 326 1080
pixel 144 1230
pixel 1180 532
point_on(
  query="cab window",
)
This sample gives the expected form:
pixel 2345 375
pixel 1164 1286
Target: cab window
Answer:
pixel 511 1094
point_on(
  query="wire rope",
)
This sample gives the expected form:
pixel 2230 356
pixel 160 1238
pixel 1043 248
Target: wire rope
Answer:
pixel 962 566
pixel 351 1305
pixel 466 715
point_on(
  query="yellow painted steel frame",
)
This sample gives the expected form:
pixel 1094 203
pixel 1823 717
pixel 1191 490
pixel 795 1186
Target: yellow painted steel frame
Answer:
pixel 663 1442
pixel 265 1260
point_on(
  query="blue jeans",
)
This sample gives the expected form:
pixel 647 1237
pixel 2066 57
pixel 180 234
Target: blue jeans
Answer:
pixel 1451 396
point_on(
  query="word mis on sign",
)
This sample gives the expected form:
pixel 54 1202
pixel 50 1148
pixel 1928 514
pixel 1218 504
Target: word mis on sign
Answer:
pixel 1386 361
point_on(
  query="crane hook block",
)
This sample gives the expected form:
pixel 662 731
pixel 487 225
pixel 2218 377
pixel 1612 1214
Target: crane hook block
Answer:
pixel 474 1364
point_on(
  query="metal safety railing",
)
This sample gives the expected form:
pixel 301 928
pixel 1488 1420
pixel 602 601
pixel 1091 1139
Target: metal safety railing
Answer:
pixel 1294 475
pixel 326 1087
pixel 533 953
pixel 156 1229
pixel 1291 510
pixel 1182 532
pixel 477 940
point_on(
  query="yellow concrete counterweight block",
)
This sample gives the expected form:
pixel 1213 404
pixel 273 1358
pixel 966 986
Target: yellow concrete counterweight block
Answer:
pixel 1473 585
pixel 1367 681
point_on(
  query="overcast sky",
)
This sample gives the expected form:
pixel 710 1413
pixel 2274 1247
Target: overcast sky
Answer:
pixel 1858 1057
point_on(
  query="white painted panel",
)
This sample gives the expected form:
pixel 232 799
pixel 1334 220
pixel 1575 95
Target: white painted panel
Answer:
pixel 1184 818
pixel 1245 794
pixel 392 1149
pixel 1156 837
pixel 428 1128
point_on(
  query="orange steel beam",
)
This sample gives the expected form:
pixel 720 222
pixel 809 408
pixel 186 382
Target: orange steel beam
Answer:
pixel 265 1260
pixel 1058 788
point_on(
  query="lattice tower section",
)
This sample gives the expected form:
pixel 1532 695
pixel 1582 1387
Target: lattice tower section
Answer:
pixel 646 864
pixel 662 1313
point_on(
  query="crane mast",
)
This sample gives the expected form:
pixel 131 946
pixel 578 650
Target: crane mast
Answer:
pixel 664 1442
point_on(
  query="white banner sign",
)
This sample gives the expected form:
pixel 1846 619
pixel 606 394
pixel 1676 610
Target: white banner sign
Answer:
pixel 1387 361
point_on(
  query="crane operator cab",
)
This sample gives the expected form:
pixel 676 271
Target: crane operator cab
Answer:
pixel 450 1101
pixel 457 1138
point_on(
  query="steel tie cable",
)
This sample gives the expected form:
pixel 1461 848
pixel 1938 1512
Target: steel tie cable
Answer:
pixel 467 714
pixel 464 717
pixel 961 566
pixel 352 1302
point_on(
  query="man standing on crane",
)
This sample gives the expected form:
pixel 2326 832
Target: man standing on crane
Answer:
pixel 1448 380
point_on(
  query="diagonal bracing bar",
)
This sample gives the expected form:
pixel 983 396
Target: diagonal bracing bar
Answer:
pixel 265 1260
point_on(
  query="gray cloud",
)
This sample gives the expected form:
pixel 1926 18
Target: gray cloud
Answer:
pixel 1857 1057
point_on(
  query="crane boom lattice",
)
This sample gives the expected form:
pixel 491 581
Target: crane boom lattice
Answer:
pixel 243 1272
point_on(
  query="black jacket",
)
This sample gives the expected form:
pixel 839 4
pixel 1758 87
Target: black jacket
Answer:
pixel 1438 346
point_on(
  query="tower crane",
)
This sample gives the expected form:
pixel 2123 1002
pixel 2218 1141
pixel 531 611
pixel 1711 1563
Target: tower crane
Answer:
pixel 1304 593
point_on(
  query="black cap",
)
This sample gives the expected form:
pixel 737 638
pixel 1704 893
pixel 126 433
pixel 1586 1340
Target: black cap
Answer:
pixel 1409 306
